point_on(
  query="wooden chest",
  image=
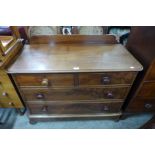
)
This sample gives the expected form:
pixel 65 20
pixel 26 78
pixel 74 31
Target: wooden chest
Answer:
pixel 74 80
pixel 9 49
pixel 144 98
pixel 8 95
pixel 141 43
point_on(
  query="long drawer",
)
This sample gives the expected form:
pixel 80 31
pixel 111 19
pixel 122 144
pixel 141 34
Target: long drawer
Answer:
pixel 142 105
pixel 69 80
pixel 55 94
pixel 73 108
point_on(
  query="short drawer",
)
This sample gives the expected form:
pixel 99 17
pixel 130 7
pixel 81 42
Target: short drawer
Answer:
pixel 73 108
pixel 5 96
pixel 44 79
pixel 142 105
pixel 45 94
pixel 9 104
pixel 106 78
pixel 147 90
pixel 9 100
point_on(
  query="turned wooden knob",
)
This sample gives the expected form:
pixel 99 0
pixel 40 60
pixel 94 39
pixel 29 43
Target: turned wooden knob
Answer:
pixel 4 93
pixel 105 80
pixel 110 95
pixel 11 103
pixel 40 96
pixel 44 82
pixel 148 105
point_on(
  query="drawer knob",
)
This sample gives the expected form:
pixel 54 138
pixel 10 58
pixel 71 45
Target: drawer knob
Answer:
pixel 44 109
pixel 105 80
pixel 11 103
pixel 110 95
pixel 148 105
pixel 40 96
pixel 4 94
pixel 45 82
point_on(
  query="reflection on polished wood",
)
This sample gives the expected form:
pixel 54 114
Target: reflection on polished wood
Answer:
pixel 74 58
pixel 82 39
pixel 6 40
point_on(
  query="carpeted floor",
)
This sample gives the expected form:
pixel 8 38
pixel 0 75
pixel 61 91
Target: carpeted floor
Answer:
pixel 16 121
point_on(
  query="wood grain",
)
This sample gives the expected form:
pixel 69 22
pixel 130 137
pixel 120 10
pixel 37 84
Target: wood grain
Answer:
pixel 74 58
pixel 55 94
pixel 82 39
pixel 108 78
pixel 54 80
pixel 73 108
pixel 11 99
pixel 141 44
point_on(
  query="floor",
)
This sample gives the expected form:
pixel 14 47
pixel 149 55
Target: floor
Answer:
pixel 16 121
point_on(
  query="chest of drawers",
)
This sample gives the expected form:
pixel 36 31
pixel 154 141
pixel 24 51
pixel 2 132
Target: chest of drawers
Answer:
pixel 74 80
pixel 144 98
pixel 9 49
pixel 8 95
pixel 141 43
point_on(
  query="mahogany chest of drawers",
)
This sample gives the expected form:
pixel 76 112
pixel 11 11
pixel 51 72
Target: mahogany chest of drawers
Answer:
pixel 74 80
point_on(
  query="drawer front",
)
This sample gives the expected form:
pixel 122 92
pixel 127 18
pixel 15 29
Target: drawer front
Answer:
pixel 73 108
pixel 4 82
pixel 9 104
pixel 106 78
pixel 74 94
pixel 8 95
pixel 142 105
pixel 9 99
pixel 151 74
pixel 44 79
pixel 147 90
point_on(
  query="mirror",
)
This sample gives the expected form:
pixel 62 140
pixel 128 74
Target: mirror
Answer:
pixel 8 37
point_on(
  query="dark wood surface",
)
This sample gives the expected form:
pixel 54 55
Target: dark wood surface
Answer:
pixel 141 44
pixel 61 94
pixel 76 79
pixel 74 58
pixel 82 39
pixel 107 78
pixel 50 80
pixel 74 108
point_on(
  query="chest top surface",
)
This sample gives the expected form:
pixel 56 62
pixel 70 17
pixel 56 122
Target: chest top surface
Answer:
pixel 61 58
